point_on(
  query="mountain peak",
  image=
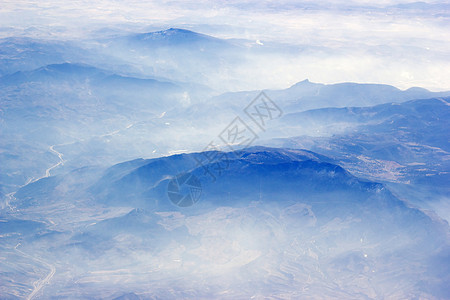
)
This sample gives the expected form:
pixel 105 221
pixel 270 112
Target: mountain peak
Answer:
pixel 172 34
pixel 304 83
pixel 178 30
pixel 177 37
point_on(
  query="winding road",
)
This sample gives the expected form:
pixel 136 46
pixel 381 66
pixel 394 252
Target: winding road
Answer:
pixel 10 196
pixel 61 161
pixel 38 284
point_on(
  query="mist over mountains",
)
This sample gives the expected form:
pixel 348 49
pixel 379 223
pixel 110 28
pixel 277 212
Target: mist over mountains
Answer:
pixel 117 182
pixel 60 99
pixel 294 204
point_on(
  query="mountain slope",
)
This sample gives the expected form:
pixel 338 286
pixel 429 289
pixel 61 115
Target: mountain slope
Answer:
pixel 275 219
pixel 307 95
pixel 405 145
pixel 74 104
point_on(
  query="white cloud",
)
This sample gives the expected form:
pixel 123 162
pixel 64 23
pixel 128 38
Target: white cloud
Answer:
pixel 400 46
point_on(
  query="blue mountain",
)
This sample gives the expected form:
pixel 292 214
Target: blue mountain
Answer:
pixel 26 54
pixel 278 203
pixel 404 145
pixel 58 73
pixel 392 131
pixel 175 37
pixel 57 99
pixel 307 95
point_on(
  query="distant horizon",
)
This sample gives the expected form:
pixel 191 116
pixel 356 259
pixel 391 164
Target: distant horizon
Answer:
pixel 400 43
pixel 266 89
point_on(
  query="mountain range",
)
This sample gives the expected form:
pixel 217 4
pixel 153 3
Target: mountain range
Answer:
pixel 112 185
pixel 304 214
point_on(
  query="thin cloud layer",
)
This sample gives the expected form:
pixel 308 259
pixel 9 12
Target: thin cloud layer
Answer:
pixel 394 42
